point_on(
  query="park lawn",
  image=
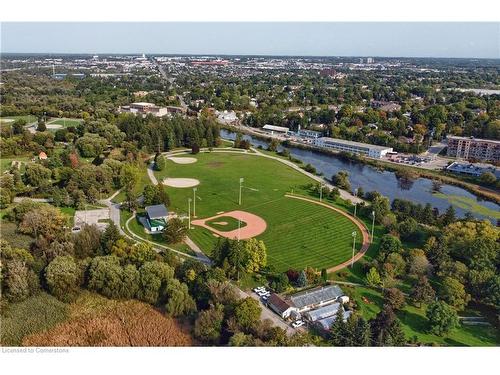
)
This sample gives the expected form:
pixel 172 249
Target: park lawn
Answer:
pixel 299 233
pixel 65 122
pixel 231 223
pixel 415 323
pixel 137 229
pixel 69 212
pixel 5 163
pixel 27 118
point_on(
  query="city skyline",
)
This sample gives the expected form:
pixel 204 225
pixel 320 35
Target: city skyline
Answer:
pixel 432 40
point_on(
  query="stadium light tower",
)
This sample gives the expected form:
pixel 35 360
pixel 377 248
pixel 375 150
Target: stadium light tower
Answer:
pixel 194 202
pixel 353 247
pixel 373 222
pixel 320 192
pixel 189 213
pixel 241 185
pixel 355 202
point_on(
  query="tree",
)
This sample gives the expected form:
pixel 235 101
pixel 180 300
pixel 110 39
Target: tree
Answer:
pixel 160 163
pixel 105 276
pixel 41 127
pixel 179 301
pixel 324 275
pixel 153 279
pixel 386 328
pixel 175 231
pixel 87 241
pixel 442 318
pixel 362 333
pixel 110 236
pixel 394 298
pixel 453 292
pixel 273 145
pixel 18 280
pixel 37 175
pixel 487 178
pixel 422 291
pixel 389 244
pixel 63 278
pixel 247 313
pixel 397 264
pixel 44 220
pixel 129 178
pixel 341 180
pixel 418 265
pixel 208 325
pixel 302 279
pixel 280 283
pixel 257 254
pixel 373 278
pixel 156 194
pixel 338 330
pixel 449 216
pixel 195 148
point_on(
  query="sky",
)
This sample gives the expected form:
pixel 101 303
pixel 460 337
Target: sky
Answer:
pixel 443 39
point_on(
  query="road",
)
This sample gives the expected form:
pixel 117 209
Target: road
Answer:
pixel 114 210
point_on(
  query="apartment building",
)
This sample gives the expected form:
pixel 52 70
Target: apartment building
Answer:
pixel 471 148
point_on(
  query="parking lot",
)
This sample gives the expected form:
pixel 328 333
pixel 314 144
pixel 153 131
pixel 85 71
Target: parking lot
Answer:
pixel 99 217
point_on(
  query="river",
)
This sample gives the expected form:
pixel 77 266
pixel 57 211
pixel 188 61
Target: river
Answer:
pixel 387 184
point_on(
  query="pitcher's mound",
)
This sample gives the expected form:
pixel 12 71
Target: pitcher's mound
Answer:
pixel 181 182
pixel 185 160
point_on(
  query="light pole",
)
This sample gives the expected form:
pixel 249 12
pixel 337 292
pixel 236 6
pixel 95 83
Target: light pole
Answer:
pixel 194 202
pixel 355 202
pixel 239 226
pixel 373 222
pixel 320 192
pixel 353 247
pixel 241 185
pixel 189 213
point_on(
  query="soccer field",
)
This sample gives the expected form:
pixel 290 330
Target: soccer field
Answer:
pixel 298 234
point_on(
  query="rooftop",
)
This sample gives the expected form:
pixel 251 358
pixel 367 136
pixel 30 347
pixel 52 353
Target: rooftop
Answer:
pixel 473 139
pixel 317 295
pixel 275 128
pixel 157 211
pixel 323 312
pixel 355 144
pixel 279 303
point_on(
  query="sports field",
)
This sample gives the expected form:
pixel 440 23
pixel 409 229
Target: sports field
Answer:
pixel 65 122
pixel 298 233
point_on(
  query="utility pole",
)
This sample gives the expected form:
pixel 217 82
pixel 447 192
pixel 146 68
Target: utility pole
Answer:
pixel 373 223
pixel 189 213
pixel 353 247
pixel 194 202
pixel 241 185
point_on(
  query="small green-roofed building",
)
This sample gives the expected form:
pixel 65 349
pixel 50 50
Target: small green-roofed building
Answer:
pixel 156 217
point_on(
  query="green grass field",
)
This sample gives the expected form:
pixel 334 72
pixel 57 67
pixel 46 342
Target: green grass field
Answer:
pixel 415 323
pixel 8 119
pixel 230 223
pixel 299 233
pixel 65 122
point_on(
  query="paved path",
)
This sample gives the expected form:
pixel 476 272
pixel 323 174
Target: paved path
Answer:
pixel 197 250
pixel 39 200
pixel 151 174
pixel 157 246
pixel 359 224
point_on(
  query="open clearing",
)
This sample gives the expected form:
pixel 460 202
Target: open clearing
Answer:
pixel 184 160
pixel 181 182
pixel 298 233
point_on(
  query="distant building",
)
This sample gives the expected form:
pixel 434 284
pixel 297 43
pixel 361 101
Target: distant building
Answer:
pixel 385 106
pixel 279 306
pixel 227 117
pixel 42 156
pixel 275 129
pixel 357 148
pixel 141 94
pixel 143 108
pixel 470 169
pixel 370 60
pixel 474 148
pixel 156 217
pixel 304 133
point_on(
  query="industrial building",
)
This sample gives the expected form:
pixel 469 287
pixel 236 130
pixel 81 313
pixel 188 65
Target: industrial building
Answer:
pixel 470 169
pixel 358 148
pixel 275 129
pixel 471 148
pixel 143 108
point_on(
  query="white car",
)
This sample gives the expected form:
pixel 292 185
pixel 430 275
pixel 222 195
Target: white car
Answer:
pixel 264 298
pixel 263 293
pixel 297 324
pixel 259 289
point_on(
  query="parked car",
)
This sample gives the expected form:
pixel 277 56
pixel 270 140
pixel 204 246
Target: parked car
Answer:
pixel 259 289
pixel 263 293
pixel 298 323
pixel 265 298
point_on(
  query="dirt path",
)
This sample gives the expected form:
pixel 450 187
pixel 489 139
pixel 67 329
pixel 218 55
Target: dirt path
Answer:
pixel 359 224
